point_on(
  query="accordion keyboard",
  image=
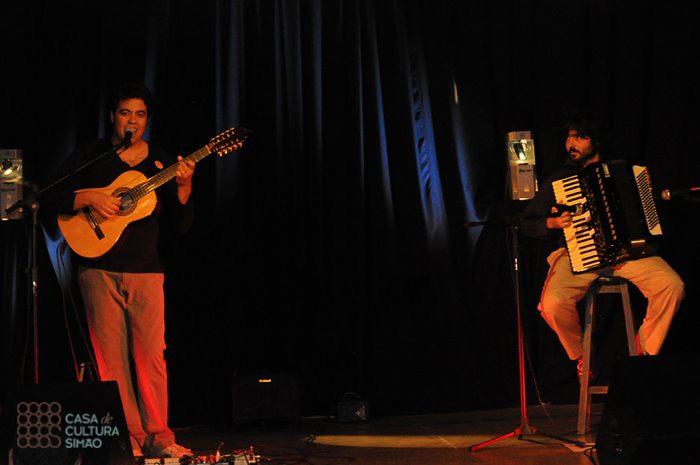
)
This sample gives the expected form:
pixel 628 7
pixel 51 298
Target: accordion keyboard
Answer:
pixel 580 236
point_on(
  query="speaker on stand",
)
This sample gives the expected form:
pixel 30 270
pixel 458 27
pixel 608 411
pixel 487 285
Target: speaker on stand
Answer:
pixel 522 175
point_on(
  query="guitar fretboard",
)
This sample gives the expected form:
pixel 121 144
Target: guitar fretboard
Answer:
pixel 164 176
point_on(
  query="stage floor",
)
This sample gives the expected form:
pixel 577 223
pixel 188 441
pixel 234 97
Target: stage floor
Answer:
pixel 424 439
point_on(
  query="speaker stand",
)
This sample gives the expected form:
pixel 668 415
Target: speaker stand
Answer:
pixel 525 427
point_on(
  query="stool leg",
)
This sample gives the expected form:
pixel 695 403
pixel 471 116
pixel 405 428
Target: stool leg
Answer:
pixel 584 401
pixel 629 319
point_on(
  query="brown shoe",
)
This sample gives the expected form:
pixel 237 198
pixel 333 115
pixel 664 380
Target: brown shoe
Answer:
pixel 176 451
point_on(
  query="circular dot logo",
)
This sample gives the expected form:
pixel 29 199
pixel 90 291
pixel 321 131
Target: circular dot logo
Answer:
pixel 39 425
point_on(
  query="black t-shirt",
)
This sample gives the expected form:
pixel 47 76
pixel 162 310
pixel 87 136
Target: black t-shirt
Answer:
pixel 137 249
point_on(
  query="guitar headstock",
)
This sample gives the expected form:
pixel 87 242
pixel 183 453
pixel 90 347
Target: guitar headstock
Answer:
pixel 228 141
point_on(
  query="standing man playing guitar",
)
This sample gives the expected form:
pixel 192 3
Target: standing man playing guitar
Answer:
pixel 123 288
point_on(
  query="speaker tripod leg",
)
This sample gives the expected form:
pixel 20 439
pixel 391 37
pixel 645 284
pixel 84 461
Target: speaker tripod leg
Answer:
pixel 525 427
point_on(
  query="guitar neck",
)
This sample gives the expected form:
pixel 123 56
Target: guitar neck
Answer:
pixel 165 175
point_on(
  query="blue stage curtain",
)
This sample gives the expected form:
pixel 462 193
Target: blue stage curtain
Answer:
pixel 333 244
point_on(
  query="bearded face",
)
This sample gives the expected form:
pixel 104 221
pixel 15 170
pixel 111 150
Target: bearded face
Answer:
pixel 579 147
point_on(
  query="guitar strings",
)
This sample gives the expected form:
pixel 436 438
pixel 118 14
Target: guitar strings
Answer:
pixel 161 178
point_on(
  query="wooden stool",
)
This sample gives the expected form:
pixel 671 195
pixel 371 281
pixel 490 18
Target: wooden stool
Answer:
pixel 602 285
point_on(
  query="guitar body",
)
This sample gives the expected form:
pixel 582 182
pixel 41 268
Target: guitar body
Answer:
pixel 89 234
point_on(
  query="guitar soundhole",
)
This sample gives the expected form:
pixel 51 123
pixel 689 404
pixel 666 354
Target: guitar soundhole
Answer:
pixel 127 203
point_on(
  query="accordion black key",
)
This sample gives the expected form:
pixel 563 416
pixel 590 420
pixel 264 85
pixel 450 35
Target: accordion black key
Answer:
pixel 615 215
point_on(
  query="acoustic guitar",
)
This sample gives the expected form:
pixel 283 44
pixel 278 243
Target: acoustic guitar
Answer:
pixel 90 235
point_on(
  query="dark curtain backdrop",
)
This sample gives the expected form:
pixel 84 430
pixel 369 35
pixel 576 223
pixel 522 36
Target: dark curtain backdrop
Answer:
pixel 332 246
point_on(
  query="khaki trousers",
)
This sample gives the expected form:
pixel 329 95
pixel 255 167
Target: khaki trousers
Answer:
pixel 657 281
pixel 125 316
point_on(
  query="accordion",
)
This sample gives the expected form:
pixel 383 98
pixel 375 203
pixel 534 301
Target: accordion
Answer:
pixel 614 214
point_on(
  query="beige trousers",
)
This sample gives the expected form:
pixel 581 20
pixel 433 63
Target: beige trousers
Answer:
pixel 125 315
pixel 657 281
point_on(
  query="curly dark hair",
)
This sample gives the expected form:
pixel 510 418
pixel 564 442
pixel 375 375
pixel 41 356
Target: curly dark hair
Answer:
pixel 131 90
pixel 588 126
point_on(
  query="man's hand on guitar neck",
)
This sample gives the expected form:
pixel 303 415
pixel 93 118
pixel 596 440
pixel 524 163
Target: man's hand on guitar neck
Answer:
pixel 105 205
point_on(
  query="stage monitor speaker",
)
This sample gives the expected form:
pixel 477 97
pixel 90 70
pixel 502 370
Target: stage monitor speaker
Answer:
pixel 267 397
pixel 81 423
pixel 352 409
pixel 651 414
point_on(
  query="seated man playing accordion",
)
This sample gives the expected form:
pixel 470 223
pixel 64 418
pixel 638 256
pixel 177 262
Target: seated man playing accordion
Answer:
pixel 563 288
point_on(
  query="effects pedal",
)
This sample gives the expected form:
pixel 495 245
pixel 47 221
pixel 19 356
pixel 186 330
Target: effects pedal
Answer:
pixel 240 457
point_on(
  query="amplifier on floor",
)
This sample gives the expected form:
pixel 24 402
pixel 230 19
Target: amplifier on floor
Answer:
pixel 352 409
pixel 69 424
pixel 265 397
pixel 652 413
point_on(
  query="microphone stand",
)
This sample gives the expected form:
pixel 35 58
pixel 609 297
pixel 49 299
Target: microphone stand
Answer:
pixel 31 204
pixel 525 427
pixel 686 194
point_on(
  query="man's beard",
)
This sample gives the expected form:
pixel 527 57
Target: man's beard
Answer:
pixel 583 159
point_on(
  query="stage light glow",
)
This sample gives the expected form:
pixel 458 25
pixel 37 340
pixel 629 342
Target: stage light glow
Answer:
pixel 400 441
pixel 8 167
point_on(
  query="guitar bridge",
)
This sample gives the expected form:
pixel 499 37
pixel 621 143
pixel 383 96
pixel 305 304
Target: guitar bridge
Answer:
pixel 93 223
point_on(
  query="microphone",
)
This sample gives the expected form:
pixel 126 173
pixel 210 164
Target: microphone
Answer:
pixel 668 194
pixel 127 136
